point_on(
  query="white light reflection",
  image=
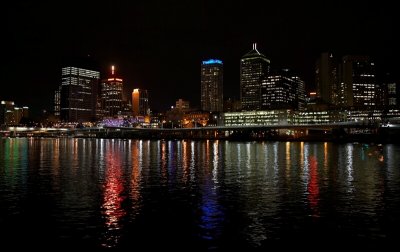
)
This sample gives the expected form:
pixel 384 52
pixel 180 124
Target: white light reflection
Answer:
pixel 215 163
pixel 192 162
pixel 248 159
pixel 306 164
pixel 136 179
pixel 276 162
pixel 349 166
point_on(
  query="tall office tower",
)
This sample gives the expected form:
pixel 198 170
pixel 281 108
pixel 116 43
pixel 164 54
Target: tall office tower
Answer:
pixel 78 94
pixel 140 102
pixel 326 78
pixel 359 81
pixel 212 85
pixel 282 91
pixel 111 94
pixel 300 92
pixel 254 67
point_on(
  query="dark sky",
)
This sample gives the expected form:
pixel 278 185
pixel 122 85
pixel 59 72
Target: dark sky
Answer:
pixel 159 45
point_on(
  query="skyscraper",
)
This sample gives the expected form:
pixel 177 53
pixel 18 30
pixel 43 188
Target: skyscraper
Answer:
pixel 78 94
pixel 140 102
pixel 212 85
pixel 282 90
pixel 326 78
pixel 358 76
pixel 254 67
pixel 111 94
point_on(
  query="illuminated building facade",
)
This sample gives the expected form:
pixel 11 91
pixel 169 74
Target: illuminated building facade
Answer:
pixel 359 82
pixel 268 117
pixel 194 118
pixel 254 67
pixel 78 94
pixel 318 117
pixel 111 94
pixel 212 85
pixel 282 91
pixel 140 102
pixel 282 117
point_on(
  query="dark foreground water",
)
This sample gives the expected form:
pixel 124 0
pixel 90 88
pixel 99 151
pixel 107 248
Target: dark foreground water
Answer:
pixel 194 195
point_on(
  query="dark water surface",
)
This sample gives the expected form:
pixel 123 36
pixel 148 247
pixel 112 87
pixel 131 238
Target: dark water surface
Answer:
pixel 97 193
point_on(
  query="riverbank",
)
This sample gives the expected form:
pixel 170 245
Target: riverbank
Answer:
pixel 341 135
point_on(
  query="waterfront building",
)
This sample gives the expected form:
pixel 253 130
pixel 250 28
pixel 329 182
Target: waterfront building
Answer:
pixel 318 117
pixel 261 117
pixel 78 94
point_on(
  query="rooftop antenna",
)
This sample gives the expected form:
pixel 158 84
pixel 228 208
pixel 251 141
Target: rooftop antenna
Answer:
pixel 112 70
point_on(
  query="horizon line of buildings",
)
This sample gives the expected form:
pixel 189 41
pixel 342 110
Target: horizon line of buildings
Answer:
pixel 349 84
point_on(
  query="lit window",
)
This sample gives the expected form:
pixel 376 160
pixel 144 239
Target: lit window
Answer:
pixel 392 88
pixel 392 101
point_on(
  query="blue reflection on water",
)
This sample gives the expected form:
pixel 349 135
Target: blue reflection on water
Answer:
pixel 211 213
pixel 218 194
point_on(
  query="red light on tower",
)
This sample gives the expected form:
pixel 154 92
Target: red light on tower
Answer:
pixel 112 70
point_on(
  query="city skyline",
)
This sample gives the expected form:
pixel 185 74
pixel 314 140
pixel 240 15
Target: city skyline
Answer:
pixel 158 46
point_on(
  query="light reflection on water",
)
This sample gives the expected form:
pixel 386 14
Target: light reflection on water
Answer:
pixel 113 196
pixel 215 194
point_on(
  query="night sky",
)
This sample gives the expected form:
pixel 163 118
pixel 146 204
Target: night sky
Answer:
pixel 159 45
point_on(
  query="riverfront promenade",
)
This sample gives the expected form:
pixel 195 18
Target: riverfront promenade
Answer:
pixel 340 132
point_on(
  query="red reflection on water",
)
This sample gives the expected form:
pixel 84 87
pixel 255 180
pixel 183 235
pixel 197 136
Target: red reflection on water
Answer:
pixel 113 189
pixel 313 188
pixel 136 175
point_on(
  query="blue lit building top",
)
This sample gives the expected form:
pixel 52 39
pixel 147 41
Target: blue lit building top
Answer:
pixel 212 61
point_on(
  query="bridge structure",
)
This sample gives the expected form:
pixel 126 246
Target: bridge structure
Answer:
pixel 342 131
pixel 323 132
